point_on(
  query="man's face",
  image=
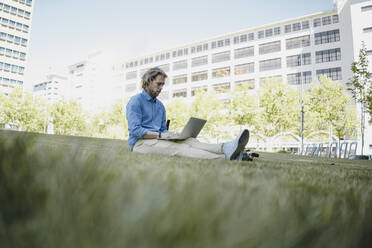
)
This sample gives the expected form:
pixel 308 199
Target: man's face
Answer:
pixel 154 88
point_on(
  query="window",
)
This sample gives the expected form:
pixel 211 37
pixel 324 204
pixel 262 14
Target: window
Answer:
pixel 199 76
pixel 276 78
pixel 174 54
pixel 205 47
pixel 165 68
pixel 367 30
pixel 327 37
pixel 186 50
pixel 221 72
pixel 131 75
pixel 296 26
pixel 294 78
pixel 366 8
pixel 277 31
pixel 244 52
pixel 250 83
pixel 130 87
pixel 269 32
pixel 287 28
pixel 305 25
pixel 244 69
pixel 317 22
pixel 227 42
pixel 179 65
pixel 180 79
pixel 293 61
pixel 221 88
pixel 369 52
pixel 193 49
pixel 326 20
pixel 214 45
pixel 333 73
pixel 261 34
pixel 298 42
pixel 270 47
pixel 335 19
pixel 198 89
pixel 180 52
pixel 251 36
pixel 236 40
pixel 243 38
pixel 270 64
pixel 328 55
pixel 220 57
pixel 199 61
pixel 306 59
pixel 180 93
pixel 199 48
pixel 306 77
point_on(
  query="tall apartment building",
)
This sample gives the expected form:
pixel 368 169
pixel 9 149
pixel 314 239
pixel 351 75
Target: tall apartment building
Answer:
pixel 297 51
pixel 15 27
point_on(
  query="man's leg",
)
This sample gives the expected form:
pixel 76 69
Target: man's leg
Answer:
pixel 182 149
pixel 214 148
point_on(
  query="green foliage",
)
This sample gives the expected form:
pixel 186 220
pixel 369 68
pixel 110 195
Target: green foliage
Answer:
pixel 64 191
pixel 21 109
pixel 279 106
pixel 111 124
pixel 68 118
pixel 244 108
pixel 361 82
pixel 177 113
pixel 327 103
pixel 207 106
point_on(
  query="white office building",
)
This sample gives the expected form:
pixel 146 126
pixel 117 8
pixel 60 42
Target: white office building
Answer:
pixel 54 88
pixel 297 50
pixel 15 27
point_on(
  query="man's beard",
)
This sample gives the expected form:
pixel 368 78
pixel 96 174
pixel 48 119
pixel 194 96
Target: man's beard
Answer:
pixel 154 93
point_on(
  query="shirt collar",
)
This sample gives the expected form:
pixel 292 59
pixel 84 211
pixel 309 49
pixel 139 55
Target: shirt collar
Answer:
pixel 147 96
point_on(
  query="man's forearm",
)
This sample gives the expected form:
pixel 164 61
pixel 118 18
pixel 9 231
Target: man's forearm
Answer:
pixel 151 135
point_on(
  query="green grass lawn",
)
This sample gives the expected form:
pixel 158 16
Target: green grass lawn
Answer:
pixel 61 191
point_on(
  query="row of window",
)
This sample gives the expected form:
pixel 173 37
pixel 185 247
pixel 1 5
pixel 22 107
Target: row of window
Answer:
pixel 270 47
pixel 265 65
pixel 12 68
pixel 325 20
pixel 14 24
pixel 10 81
pixel 13 38
pixel 333 73
pixel 28 2
pixel 298 78
pixel 14 10
pixel 13 53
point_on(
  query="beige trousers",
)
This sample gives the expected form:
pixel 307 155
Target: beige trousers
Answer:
pixel 190 147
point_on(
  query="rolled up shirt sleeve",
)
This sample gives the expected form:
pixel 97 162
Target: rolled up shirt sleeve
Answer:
pixel 134 117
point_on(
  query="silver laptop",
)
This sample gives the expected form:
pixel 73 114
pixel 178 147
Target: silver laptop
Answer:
pixel 192 129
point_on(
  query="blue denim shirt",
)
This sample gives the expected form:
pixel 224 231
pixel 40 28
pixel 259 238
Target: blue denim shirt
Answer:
pixel 144 114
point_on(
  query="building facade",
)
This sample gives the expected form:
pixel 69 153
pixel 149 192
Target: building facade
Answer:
pixel 53 89
pixel 15 27
pixel 297 51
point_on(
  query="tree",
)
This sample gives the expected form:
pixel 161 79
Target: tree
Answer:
pixel 67 118
pixel 327 103
pixel 244 108
pixel 280 108
pixel 177 113
pixel 361 86
pixel 21 109
pixel 111 124
pixel 208 106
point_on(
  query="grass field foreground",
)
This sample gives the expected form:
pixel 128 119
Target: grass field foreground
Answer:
pixel 60 191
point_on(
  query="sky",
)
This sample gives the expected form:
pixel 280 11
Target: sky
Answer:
pixel 64 32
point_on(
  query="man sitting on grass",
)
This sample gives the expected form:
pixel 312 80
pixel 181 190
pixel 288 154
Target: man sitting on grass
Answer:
pixel 146 118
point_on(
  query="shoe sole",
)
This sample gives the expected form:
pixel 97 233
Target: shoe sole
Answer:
pixel 243 140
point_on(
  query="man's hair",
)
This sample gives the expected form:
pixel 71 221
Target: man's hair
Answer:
pixel 150 75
